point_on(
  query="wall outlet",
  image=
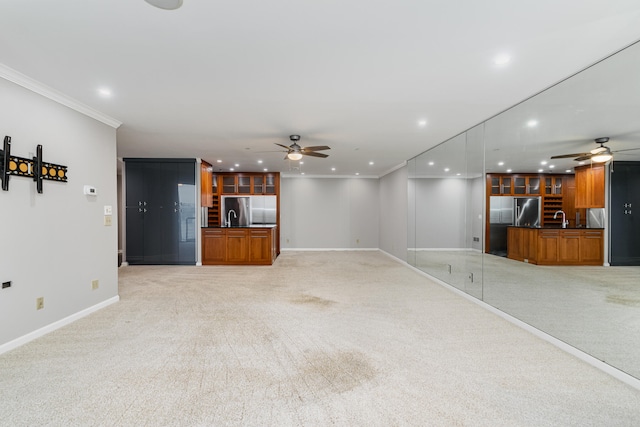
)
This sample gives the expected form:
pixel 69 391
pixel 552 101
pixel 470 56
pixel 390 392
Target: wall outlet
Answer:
pixel 358 241
pixel 95 284
pixel 39 303
pixel 107 220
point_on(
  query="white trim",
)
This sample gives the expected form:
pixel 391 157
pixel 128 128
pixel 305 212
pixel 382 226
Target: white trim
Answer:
pixel 55 325
pixel 585 357
pixel 41 89
pixel 393 169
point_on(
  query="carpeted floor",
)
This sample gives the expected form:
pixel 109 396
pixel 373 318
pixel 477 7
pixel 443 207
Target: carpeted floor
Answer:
pixel 318 339
pixel 593 308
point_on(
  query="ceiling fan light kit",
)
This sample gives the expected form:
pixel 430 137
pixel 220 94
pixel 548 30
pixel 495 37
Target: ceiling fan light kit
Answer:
pixel 295 152
pixel 165 4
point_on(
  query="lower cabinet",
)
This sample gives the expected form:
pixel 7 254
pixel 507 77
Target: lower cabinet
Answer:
pixel 238 246
pixel 556 246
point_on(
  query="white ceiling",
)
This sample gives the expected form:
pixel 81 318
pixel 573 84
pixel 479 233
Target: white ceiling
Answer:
pixel 228 79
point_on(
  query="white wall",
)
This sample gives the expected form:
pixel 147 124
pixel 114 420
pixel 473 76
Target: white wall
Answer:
pixel 54 244
pixel 329 213
pixel 440 209
pixel 393 205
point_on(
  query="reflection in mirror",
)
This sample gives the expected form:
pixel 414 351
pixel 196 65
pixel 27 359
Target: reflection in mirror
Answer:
pixel 411 217
pixel 448 211
pixel 588 307
pixel 594 308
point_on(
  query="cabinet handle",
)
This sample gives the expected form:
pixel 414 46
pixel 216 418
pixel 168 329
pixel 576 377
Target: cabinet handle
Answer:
pixel 139 203
pixel 145 209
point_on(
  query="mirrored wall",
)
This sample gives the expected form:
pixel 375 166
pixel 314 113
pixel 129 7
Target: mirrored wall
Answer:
pixel 593 308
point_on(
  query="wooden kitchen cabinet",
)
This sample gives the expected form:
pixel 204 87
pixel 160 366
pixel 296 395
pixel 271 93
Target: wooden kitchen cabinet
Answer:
pixel 592 247
pixel 590 186
pixel 250 183
pixel 206 184
pixel 526 185
pixel 213 246
pixel 500 185
pixel 573 246
pixel 547 247
pixel 569 247
pixel 239 246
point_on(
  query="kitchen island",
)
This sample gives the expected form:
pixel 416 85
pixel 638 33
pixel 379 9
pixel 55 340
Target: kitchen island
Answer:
pixel 247 245
pixel 556 246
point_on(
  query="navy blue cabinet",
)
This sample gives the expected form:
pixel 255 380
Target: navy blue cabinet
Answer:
pixel 625 206
pixel 160 211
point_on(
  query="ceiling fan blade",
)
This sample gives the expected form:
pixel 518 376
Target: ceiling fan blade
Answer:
pixel 314 154
pixel 316 148
pixel 582 158
pixel 626 149
pixel 566 156
pixel 283 146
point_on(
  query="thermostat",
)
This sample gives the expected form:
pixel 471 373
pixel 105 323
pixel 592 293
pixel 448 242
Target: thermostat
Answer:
pixel 90 190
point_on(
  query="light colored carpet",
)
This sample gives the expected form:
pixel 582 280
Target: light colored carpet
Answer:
pixel 595 309
pixel 318 339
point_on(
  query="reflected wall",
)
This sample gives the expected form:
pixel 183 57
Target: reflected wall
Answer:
pixel 595 309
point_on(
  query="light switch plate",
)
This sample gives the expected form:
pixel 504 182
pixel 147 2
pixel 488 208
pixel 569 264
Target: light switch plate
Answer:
pixel 108 210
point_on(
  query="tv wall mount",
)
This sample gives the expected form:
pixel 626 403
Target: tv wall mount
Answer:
pixel 33 168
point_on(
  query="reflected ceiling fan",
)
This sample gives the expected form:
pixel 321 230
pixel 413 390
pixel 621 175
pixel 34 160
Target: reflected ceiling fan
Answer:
pixel 295 152
pixel 601 154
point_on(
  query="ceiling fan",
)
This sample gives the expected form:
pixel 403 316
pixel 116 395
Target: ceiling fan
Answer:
pixel 601 154
pixel 295 152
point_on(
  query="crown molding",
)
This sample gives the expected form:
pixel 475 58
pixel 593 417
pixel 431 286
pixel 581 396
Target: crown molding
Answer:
pixel 41 89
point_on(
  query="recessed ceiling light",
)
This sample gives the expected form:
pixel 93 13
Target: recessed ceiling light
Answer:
pixel 302 163
pixel 333 169
pixel 260 162
pixel 231 169
pixel 357 173
pixel 581 163
pixel 544 162
pixel 430 163
pixel 446 169
pixel 552 166
pixel 301 173
pixel 237 165
pixel 265 169
pixel 500 163
pixel 509 170
pixel 532 123
pixel 540 170
pixel 104 92
pixel 458 174
pixel 165 4
pixel 502 59
pixel 371 163
pixel 568 170
pixel 422 123
pixel 219 161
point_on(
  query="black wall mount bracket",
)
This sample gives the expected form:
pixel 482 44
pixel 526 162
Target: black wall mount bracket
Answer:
pixel 33 168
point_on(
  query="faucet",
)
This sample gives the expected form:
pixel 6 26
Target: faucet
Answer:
pixel 229 216
pixel 564 222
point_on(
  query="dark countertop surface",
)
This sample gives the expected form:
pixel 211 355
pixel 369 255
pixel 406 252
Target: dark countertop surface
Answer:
pixel 246 226
pixel 556 228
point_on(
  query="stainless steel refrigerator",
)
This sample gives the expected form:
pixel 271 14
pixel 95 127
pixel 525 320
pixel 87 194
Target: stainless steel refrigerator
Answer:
pixel 505 211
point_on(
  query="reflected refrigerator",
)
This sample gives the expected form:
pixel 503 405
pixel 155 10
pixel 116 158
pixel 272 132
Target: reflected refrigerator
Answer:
pixel 507 211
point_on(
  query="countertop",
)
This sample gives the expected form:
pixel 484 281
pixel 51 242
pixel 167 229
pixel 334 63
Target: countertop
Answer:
pixel 556 228
pixel 246 226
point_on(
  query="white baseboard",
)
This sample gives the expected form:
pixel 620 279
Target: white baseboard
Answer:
pixel 326 249
pixel 585 357
pixel 55 325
